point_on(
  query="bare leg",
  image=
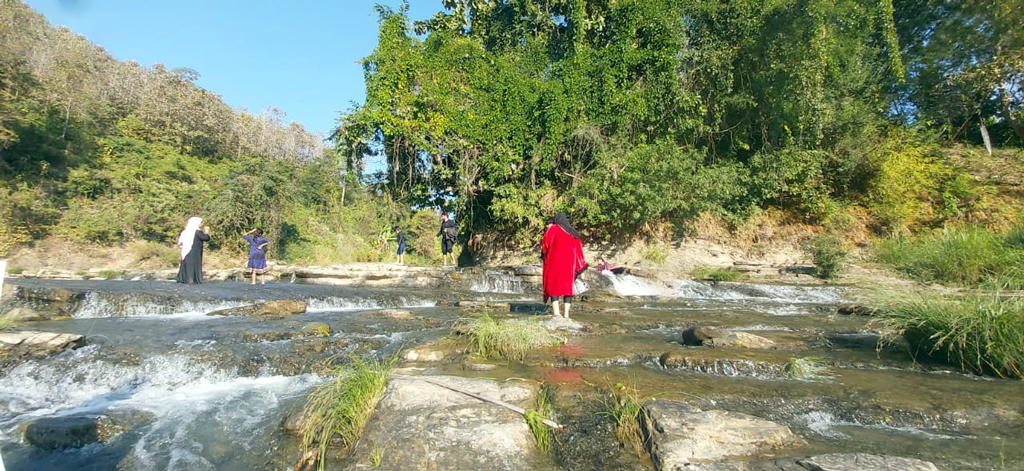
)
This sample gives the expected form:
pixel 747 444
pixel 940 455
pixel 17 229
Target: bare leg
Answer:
pixel 253 277
pixel 567 306
pixel 263 279
pixel 554 307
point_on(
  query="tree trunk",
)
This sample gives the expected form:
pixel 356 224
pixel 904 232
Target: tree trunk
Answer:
pixel 984 136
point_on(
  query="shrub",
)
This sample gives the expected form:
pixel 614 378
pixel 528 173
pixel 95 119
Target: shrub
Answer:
pixel 15 270
pixel 905 184
pixel 978 333
pixel 655 253
pixel 827 254
pixel 111 274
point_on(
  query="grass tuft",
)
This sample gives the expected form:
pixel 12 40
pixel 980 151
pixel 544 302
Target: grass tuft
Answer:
pixel 979 333
pixel 827 254
pixel 535 419
pixel 111 274
pixel 510 339
pixel 806 369
pixel 15 270
pixel 341 407
pixel 715 274
pixel 7 322
pixel 625 410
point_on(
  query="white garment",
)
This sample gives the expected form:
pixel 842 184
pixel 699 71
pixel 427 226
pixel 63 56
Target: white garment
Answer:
pixel 188 235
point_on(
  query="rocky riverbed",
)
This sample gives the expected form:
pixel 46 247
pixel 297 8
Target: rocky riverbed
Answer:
pixel 729 376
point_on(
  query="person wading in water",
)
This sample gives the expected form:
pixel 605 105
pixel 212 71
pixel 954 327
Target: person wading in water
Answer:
pixel 562 252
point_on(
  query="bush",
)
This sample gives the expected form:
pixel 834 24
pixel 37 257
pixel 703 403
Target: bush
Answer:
pixel 827 254
pixel 906 183
pixel 978 333
pixel 161 254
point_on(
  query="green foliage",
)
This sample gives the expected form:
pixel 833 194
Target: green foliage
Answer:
pixel 969 257
pixel 978 333
pixel 656 252
pixel 715 274
pixel 15 270
pixel 509 339
pixel 827 254
pixel 906 185
pixel 342 406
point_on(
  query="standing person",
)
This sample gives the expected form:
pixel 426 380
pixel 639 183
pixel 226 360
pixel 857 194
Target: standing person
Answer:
pixel 449 232
pixel 257 255
pixel 400 236
pixel 190 270
pixel 562 253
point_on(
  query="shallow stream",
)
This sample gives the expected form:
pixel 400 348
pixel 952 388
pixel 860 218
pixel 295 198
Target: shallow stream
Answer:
pixel 193 392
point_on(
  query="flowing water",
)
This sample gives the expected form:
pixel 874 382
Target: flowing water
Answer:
pixel 191 392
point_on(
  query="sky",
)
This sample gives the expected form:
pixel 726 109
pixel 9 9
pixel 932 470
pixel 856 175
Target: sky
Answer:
pixel 300 55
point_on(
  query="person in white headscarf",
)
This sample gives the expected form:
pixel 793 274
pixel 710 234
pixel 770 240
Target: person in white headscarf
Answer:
pixel 190 270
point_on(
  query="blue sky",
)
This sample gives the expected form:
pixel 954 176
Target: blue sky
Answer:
pixel 297 55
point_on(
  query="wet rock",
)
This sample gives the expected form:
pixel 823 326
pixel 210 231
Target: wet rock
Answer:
pixel 478 366
pixel 24 314
pixel 561 323
pixel 397 314
pixel 278 308
pixel 682 360
pixel 423 426
pixel 528 270
pixel 33 342
pixel 432 353
pixel 484 306
pixel 682 434
pixel 719 337
pixel 854 310
pixel 317 329
pixel 60 433
pixel 863 461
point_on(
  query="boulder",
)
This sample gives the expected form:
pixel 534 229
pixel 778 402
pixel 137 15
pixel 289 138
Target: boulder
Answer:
pixel 561 323
pixel 24 314
pixel 426 354
pixel 681 434
pixel 484 306
pixel 317 329
pixel 60 433
pixel 398 314
pixel 718 337
pixel 863 461
pixel 278 308
pixel 419 425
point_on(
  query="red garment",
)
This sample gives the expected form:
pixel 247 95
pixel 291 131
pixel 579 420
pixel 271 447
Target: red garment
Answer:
pixel 563 258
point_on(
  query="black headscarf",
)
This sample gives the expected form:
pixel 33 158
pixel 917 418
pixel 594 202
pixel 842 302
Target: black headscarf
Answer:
pixel 563 221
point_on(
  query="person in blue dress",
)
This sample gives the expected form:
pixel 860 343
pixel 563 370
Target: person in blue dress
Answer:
pixel 400 236
pixel 257 255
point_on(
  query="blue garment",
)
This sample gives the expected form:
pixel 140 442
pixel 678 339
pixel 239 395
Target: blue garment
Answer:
pixel 257 256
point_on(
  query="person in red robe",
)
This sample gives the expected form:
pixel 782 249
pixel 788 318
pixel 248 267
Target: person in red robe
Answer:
pixel 562 253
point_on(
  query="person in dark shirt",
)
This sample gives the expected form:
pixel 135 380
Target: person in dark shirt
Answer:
pixel 449 232
pixel 190 270
pixel 400 236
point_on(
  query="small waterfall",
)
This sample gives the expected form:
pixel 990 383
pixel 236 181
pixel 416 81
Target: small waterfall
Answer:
pixel 725 291
pixel 629 285
pixel 97 304
pixel 191 408
pixel 498 282
pixel 334 303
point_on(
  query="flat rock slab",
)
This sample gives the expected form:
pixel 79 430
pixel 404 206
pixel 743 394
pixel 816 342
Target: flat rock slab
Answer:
pixel 682 434
pixel 561 323
pixel 279 308
pixel 719 337
pixel 49 342
pixel 485 306
pixel 422 426
pixel 864 462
